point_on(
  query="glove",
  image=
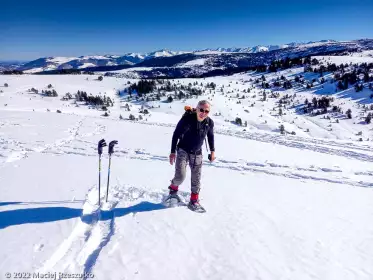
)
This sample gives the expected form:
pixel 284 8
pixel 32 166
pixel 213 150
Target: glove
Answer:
pixel 172 158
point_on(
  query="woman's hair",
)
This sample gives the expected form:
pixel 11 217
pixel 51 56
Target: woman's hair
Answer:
pixel 203 102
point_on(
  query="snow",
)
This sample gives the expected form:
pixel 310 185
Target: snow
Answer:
pixel 35 70
pixel 164 53
pixel 129 73
pixel 199 61
pixel 134 69
pixel 262 49
pixel 278 206
pixel 345 59
pixel 61 60
pixel 316 44
pixel 209 52
pixel 87 64
pixel 94 57
pixel 140 55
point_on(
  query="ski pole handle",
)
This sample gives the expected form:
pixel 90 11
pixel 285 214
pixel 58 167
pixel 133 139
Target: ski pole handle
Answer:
pixel 101 144
pixel 111 146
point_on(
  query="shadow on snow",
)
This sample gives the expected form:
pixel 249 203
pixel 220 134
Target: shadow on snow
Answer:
pixel 51 214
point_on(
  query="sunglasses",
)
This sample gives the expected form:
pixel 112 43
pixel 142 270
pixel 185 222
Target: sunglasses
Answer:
pixel 204 111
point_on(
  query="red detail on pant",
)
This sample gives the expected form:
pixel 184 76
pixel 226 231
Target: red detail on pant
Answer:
pixel 173 187
pixel 194 196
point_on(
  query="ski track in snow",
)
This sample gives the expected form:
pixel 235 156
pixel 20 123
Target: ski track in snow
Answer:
pixel 277 170
pixel 335 175
pixel 331 175
pixel 349 149
pixel 80 251
pixel 20 151
pixel 332 147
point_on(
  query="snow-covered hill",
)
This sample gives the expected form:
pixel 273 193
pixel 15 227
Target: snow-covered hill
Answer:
pixel 212 63
pixel 9 65
pixel 254 49
pixel 57 63
pixel 279 206
pixel 260 48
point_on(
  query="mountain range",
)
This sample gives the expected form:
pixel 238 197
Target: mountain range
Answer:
pixel 191 62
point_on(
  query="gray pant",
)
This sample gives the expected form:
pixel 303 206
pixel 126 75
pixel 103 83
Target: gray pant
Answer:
pixel 195 163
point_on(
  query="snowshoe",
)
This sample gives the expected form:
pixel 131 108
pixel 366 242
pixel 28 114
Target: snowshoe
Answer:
pixel 195 206
pixel 173 200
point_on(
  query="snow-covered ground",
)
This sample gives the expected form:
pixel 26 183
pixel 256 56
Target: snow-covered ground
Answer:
pixel 278 206
pixel 199 61
pixel 354 58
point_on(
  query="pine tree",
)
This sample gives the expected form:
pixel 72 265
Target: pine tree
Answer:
pixel 368 118
pixel 314 101
pixel 348 113
pixel 366 77
pixel 238 121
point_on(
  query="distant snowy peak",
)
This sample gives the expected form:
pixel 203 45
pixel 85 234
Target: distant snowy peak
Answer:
pixel 10 65
pixel 254 49
pixel 57 63
pixel 163 53
pixel 261 48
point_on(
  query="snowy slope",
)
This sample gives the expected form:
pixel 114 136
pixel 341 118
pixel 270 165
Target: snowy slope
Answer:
pixel 278 207
pixel 54 63
pixel 347 59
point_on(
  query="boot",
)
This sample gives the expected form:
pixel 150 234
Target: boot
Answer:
pixel 193 198
pixel 173 189
pixel 172 197
pixel 194 204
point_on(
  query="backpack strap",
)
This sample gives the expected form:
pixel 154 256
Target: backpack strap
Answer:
pixel 186 115
pixel 207 125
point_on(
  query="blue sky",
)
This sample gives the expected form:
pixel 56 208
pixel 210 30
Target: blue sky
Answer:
pixel 34 29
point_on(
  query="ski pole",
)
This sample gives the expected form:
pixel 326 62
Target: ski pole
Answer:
pixel 101 144
pixel 111 150
pixel 209 156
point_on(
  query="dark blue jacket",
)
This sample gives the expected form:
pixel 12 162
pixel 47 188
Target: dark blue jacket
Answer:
pixel 191 133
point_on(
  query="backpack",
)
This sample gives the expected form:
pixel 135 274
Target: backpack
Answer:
pixel 189 110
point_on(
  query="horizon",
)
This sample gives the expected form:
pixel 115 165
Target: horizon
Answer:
pixel 109 54
pixel 44 29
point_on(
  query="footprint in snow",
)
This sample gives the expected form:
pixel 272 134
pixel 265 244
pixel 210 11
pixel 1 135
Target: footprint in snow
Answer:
pixel 38 247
